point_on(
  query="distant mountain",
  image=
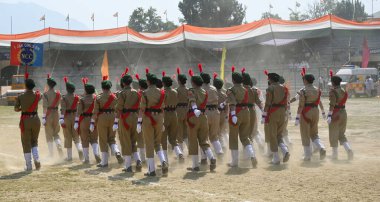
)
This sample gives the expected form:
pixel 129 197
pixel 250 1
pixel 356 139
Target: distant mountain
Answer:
pixel 26 18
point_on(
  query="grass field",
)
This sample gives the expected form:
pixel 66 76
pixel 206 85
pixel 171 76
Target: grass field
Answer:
pixel 358 180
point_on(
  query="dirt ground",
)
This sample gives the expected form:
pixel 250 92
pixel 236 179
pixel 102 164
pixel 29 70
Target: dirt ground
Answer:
pixel 358 180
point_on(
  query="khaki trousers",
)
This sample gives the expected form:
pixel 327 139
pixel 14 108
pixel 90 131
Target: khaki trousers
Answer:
pixel 309 130
pixel 213 117
pixel 171 130
pixel 52 126
pixel 106 134
pixel 152 134
pixel 87 137
pixel 69 132
pixel 182 124
pixel 29 138
pixel 128 137
pixel 240 130
pixel 337 128
pixel 198 135
pixel 275 128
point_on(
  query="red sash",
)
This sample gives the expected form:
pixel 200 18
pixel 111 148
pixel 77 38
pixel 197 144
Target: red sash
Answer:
pixel 274 109
pixel 335 115
pixel 107 105
pixel 31 108
pixel 201 107
pixel 73 107
pixel 124 116
pixel 89 110
pixel 238 109
pixel 55 102
pixel 308 108
pixel 158 106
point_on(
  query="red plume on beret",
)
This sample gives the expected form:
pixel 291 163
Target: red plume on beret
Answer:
pixel 146 70
pixel 303 71
pixel 163 73
pixel 26 75
pixel 215 75
pixel 126 71
pixel 84 80
pixel 233 68
pixel 105 78
pixel 65 79
pixel 191 72
pixel 243 70
pixel 331 73
pixel 266 72
pixel 48 76
pixel 137 76
pixel 200 67
pixel 178 70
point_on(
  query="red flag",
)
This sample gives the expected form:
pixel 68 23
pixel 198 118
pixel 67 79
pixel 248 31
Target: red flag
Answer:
pixel 365 54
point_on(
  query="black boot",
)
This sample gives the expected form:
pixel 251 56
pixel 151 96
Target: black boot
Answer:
pixel 37 164
pixel 151 174
pixel 119 158
pixel 165 168
pixel 128 170
pixel 181 158
pixel 286 157
pixel 138 166
pixel 196 169
pixel 80 153
pixel 254 162
pixel 203 161
pixel 102 166
pixel 212 164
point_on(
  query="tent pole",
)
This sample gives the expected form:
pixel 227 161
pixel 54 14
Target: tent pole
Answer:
pixel 275 43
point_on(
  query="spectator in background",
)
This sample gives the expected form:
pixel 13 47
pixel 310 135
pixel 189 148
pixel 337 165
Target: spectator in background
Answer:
pixel 369 86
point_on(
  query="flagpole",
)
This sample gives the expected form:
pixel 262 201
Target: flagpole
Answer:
pixel 68 24
pixel 117 21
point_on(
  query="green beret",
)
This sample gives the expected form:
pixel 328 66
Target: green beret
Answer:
pixel 70 87
pixel 237 77
pixel 167 81
pixel 29 84
pixel 127 79
pixel 182 78
pixel 274 77
pixel 159 83
pixel 107 84
pixel 281 80
pixel 205 77
pixel 143 84
pixel 89 88
pixel 309 78
pixel 197 80
pixel 218 83
pixel 335 80
pixel 51 82
pixel 246 79
pixel 151 78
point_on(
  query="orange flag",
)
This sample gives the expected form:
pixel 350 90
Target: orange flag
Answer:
pixel 104 68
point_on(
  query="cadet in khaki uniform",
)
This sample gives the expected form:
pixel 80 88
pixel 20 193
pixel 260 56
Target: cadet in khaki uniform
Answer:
pixel 198 123
pixel 288 116
pixel 140 138
pixel 83 122
pixel 256 134
pixel 239 121
pixel 253 99
pixel 182 109
pixel 222 107
pixel 170 119
pixel 212 112
pixel 274 117
pixel 69 105
pixel 27 104
pixel 127 108
pixel 50 117
pixel 337 118
pixel 107 123
pixel 151 122
pixel 308 117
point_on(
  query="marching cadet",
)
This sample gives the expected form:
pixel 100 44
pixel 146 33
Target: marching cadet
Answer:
pixel 222 107
pixel 151 122
pixel 308 116
pixel 212 113
pixel 337 118
pixel 27 104
pixel 50 102
pixel 85 125
pixel 239 120
pixel 170 119
pixel 198 124
pixel 253 99
pixel 182 109
pixel 256 134
pixel 128 103
pixel 107 123
pixel 142 84
pixel 274 117
pixel 69 104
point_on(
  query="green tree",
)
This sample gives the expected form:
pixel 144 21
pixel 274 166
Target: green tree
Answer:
pixel 320 8
pixel 149 21
pixel 350 10
pixel 266 15
pixel 212 13
pixel 295 13
pixel 137 20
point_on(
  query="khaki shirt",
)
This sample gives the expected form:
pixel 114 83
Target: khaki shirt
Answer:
pixel 197 95
pixel 66 102
pixel 335 96
pixel 308 95
pixel 85 103
pixel 127 98
pixel 48 99
pixel 212 94
pixel 182 94
pixel 171 97
pixel 101 100
pixel 275 94
pixel 222 96
pixel 151 97
pixel 25 100
pixel 236 94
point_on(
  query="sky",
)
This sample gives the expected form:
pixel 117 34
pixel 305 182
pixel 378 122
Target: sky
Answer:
pixel 81 10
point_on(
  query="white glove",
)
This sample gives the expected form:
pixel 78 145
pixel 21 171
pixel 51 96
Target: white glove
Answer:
pixel 329 117
pixel 324 115
pixel 222 105
pixel 234 118
pixel 263 117
pixel 43 119
pixel 297 122
pixel 138 127
pixel 62 120
pixel 115 124
pixel 92 125
pixel 197 112
pixel 76 124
